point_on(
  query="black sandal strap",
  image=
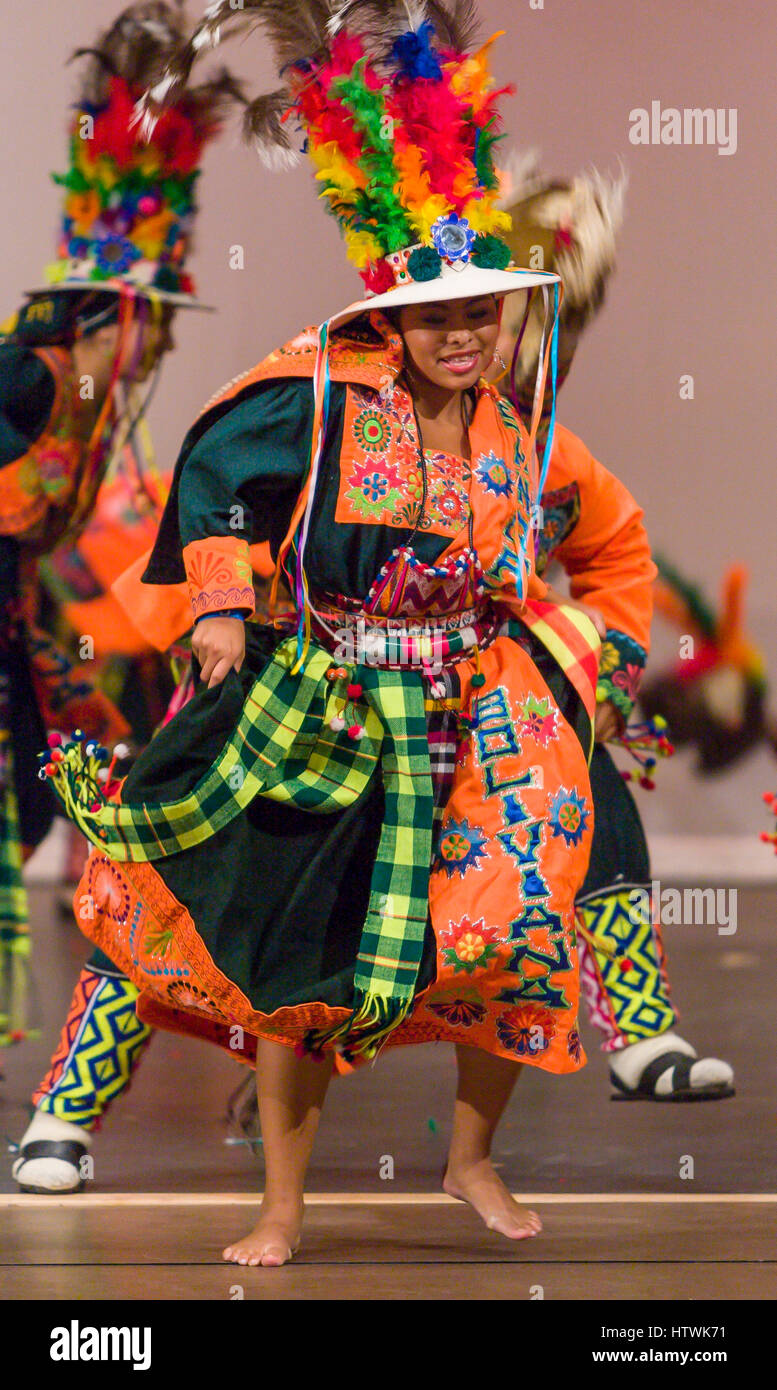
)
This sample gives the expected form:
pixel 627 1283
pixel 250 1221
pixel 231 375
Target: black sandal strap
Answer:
pixel 682 1064
pixel 69 1150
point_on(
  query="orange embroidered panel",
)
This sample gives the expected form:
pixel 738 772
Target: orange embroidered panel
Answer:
pixel 218 571
pixel 46 476
pixel 381 479
pixel 368 351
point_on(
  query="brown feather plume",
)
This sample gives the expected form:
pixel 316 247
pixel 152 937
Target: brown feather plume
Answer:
pixel 138 47
pixel 302 30
pixel 381 22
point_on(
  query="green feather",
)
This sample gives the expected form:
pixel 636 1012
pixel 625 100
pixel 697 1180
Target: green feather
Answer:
pixel 388 220
pixel 484 156
pixel 692 596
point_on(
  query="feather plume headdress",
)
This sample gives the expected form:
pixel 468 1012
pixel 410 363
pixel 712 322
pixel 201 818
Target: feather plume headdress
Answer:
pixel 130 202
pixel 399 116
pixel 569 227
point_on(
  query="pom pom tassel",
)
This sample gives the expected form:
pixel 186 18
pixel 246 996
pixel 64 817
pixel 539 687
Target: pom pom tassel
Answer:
pixel 646 743
pixel 81 779
pixel 770 837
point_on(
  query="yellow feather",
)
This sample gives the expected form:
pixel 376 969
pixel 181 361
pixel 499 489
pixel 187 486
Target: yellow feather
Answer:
pixel 362 247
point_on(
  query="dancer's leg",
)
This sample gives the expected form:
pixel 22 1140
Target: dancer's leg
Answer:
pixel 99 1049
pixel 623 973
pixel 648 1059
pixel 291 1092
pixel 484 1088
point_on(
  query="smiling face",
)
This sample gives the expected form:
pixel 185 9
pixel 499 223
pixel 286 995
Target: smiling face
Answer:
pixel 450 343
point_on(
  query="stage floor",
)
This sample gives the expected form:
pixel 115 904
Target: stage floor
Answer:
pixel 401 1248
pixel 171 1187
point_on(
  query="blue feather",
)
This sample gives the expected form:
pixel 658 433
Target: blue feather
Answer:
pixel 414 53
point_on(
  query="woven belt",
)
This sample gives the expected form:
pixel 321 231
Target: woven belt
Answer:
pixel 403 643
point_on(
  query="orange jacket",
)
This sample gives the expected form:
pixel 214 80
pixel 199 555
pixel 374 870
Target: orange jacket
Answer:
pixel 593 528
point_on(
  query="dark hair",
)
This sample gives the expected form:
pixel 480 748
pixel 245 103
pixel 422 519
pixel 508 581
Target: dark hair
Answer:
pixel 59 317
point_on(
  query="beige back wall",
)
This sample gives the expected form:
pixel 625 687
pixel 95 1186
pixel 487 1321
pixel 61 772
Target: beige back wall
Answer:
pixel 694 293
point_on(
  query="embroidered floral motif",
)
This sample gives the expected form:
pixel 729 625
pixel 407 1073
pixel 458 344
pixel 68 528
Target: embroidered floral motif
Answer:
pixel 183 995
pixel 381 479
pixel 574 1046
pixel 375 487
pixel 526 1029
pixel 468 945
pixel 461 847
pixel 109 891
pixel 459 1010
pixel 560 515
pixel 538 719
pixel 56 468
pixel 621 666
pixel 568 816
pixel 371 431
pixel 158 941
pixel 493 474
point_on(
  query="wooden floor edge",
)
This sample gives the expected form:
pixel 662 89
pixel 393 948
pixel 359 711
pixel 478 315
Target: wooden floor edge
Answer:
pixel 372 1199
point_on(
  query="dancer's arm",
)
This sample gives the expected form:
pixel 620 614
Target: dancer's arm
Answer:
pixel 603 547
pixel 236 486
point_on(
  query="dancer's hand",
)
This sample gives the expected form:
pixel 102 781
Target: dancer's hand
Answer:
pixel 219 645
pixel 607 722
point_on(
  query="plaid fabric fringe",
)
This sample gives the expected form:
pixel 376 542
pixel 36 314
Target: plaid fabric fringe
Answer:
pixel 282 748
pixel 392 940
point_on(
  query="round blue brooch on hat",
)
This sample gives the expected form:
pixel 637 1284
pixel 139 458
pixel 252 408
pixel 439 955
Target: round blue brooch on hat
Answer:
pixel 453 237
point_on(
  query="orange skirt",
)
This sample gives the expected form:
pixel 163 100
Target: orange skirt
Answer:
pixel 511 855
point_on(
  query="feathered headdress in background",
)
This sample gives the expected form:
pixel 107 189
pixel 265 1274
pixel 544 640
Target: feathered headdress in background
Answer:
pixel 714 697
pixel 569 227
pixel 399 118
pixel 130 204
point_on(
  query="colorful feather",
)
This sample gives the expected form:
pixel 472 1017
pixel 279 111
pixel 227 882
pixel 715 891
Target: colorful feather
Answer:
pixel 397 114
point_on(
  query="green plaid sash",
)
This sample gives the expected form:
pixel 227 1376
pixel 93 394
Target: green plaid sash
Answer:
pixel 283 748
pixel 392 939
pixel 14 936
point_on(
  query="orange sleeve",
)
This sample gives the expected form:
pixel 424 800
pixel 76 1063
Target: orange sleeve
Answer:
pixel 218 572
pixel 606 555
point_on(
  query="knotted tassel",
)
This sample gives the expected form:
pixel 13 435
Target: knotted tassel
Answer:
pixel 646 743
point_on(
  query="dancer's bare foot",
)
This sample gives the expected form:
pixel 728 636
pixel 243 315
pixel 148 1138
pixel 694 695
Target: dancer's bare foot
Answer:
pixel 478 1184
pixel 273 1240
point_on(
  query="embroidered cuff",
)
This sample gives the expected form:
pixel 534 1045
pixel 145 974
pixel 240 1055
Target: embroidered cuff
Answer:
pixel 218 572
pixel 621 665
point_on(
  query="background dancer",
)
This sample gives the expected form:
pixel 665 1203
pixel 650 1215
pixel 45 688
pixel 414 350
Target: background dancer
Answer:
pixel 66 361
pixel 592 528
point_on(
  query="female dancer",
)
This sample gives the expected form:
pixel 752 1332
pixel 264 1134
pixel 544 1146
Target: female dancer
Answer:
pixel 367 829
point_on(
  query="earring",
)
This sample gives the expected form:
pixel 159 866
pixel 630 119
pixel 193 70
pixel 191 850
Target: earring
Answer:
pixel 499 359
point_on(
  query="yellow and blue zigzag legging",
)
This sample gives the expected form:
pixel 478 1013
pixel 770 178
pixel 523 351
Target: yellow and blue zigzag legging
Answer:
pixel 99 1047
pixel 625 986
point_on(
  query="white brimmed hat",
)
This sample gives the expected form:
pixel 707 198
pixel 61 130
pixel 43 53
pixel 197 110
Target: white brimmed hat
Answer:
pixel 471 282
